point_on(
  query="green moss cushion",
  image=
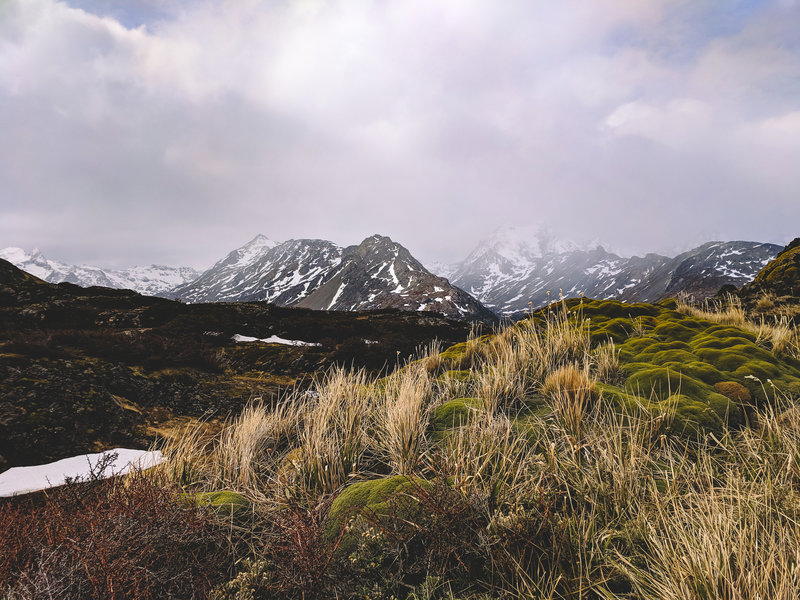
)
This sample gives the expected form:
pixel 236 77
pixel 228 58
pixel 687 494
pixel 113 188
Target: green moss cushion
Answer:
pixel 377 498
pixel 455 413
pixel 225 502
pixel 704 372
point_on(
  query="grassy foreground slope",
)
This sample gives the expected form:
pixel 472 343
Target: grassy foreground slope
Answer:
pixel 594 450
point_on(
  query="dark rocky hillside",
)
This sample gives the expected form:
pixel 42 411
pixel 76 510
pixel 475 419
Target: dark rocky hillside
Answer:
pixel 775 290
pixel 89 368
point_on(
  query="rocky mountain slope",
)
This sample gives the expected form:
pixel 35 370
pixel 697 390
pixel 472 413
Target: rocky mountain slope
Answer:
pixel 375 274
pixel 775 291
pixel 509 271
pixel 152 280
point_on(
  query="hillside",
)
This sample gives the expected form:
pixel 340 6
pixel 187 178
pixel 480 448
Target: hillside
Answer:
pixel 775 291
pixel 595 449
pixel 92 368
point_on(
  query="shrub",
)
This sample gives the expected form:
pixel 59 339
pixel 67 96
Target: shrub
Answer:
pixel 293 561
pixel 119 538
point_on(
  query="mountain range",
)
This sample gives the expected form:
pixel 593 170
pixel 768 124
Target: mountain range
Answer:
pixel 516 268
pixel 507 273
pixel 154 280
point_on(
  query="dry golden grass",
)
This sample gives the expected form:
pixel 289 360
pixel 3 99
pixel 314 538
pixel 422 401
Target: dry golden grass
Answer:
pixel 243 455
pixel 402 418
pixel 765 302
pixel 571 392
pixel 728 311
pixel 487 456
pixel 605 363
pixel 778 334
pixel 333 436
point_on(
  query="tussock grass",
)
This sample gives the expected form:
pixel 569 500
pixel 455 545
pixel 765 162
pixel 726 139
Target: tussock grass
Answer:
pixel 605 363
pixel 571 392
pixel 729 527
pixel 581 496
pixel 779 334
pixel 333 437
pixel 403 417
pixel 727 311
pixel 487 456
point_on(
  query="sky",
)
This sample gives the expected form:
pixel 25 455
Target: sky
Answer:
pixel 173 131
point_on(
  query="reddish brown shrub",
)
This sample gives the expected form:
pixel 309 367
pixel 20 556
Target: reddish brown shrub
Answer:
pixel 113 539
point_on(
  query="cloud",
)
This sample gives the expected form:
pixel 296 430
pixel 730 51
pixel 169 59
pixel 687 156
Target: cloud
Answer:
pixel 175 131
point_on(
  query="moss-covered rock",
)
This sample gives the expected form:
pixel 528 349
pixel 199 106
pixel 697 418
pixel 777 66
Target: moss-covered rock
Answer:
pixel 454 413
pixel 225 502
pixel 395 496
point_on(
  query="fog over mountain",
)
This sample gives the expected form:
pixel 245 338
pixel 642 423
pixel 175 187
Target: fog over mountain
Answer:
pixel 169 131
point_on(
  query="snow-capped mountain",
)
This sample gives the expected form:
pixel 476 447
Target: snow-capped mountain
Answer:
pixel 702 271
pixel 509 272
pixel 377 273
pixel 152 280
pixel 282 273
pixel 514 269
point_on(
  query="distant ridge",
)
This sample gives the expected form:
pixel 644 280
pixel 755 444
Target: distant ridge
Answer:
pixel 152 280
pixel 513 269
pixel 509 272
pixel 378 273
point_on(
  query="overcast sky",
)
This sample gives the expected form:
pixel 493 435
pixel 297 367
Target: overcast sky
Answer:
pixel 171 132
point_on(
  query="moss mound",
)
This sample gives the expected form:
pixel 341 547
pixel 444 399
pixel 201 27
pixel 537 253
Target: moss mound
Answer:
pixel 456 375
pixel 454 413
pixel 705 372
pixel 224 502
pixel 376 498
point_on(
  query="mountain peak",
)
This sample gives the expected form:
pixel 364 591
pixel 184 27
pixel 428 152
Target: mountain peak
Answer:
pixel 251 252
pixel 379 240
pixel 377 273
pixel 259 243
pixel 531 241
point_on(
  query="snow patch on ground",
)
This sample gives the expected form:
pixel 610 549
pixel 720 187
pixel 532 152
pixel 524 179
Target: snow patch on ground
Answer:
pixel 23 480
pixel 273 339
